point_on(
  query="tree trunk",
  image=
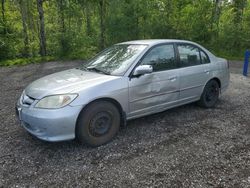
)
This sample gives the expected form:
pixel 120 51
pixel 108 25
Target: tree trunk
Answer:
pixel 23 11
pixel 3 16
pixel 102 24
pixel 239 6
pixel 216 17
pixel 88 19
pixel 42 28
pixel 61 12
pixel 137 29
pixel 217 10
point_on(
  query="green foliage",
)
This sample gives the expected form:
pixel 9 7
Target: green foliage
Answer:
pixel 73 28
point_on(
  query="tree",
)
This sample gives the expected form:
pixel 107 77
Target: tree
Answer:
pixel 88 18
pixel 80 28
pixel 238 8
pixel 23 11
pixel 3 16
pixel 102 12
pixel 42 37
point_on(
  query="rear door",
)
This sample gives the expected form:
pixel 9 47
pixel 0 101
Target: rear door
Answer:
pixel 154 92
pixel 194 71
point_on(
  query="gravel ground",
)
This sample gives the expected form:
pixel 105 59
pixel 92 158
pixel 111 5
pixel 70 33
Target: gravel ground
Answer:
pixel 182 147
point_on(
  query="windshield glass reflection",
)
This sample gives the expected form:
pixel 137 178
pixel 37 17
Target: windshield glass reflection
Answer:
pixel 115 60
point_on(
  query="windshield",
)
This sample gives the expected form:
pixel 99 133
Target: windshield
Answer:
pixel 115 60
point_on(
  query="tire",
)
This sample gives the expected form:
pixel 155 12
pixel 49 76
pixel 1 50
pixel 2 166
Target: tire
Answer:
pixel 210 94
pixel 98 123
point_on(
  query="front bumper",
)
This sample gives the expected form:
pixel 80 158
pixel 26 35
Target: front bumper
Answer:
pixel 49 124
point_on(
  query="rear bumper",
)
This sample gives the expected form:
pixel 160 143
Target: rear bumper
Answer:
pixel 49 124
pixel 225 82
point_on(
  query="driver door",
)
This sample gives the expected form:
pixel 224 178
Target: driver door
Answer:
pixel 159 90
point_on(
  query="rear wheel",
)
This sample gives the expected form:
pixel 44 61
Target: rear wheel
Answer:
pixel 210 94
pixel 98 123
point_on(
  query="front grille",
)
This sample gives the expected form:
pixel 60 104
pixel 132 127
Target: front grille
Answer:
pixel 27 100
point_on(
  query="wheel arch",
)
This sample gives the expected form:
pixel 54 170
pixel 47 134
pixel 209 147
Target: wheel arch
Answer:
pixel 217 80
pixel 201 101
pixel 111 100
pixel 214 78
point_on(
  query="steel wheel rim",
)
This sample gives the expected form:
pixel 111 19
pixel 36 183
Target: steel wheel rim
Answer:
pixel 100 124
pixel 211 94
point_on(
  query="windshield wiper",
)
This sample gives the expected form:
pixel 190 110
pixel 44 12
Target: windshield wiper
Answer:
pixel 82 68
pixel 97 70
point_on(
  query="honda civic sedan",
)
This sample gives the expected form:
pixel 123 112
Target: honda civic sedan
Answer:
pixel 125 81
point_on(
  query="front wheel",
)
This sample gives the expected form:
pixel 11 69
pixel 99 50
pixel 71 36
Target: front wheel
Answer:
pixel 98 123
pixel 210 94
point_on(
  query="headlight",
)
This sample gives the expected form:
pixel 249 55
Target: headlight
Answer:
pixel 56 101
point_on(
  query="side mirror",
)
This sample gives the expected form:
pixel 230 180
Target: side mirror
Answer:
pixel 142 69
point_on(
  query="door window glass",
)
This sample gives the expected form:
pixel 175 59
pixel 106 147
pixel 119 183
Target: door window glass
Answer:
pixel 161 58
pixel 189 55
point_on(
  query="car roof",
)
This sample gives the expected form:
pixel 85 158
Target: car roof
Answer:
pixel 152 42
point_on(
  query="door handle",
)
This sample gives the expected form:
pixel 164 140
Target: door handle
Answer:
pixel 172 78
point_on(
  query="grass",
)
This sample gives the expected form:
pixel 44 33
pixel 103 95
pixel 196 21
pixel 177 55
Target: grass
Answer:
pixel 83 54
pixel 25 61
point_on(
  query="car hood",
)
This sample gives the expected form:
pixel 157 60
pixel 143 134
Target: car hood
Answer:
pixel 63 82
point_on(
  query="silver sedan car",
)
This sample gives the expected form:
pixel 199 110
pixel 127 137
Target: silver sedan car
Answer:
pixel 123 82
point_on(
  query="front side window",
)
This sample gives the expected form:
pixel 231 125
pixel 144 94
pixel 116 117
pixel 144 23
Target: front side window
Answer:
pixel 115 60
pixel 189 55
pixel 161 58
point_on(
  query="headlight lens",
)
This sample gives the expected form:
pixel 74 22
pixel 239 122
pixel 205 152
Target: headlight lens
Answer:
pixel 56 101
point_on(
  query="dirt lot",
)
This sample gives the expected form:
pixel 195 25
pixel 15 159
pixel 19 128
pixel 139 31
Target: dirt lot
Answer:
pixel 183 147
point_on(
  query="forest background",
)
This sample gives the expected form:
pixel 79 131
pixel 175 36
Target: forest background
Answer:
pixel 44 30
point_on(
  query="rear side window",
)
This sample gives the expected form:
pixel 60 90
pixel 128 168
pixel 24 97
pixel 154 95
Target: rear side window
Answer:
pixel 204 58
pixel 161 58
pixel 189 55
